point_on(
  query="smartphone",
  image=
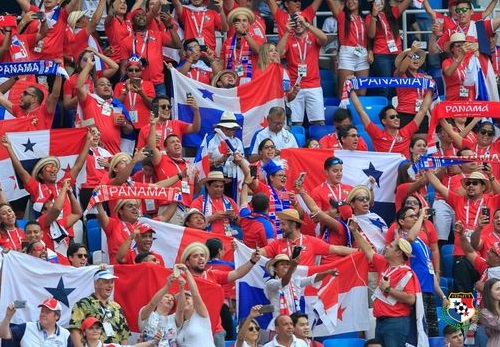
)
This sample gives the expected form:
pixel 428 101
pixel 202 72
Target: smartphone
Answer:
pixel 294 18
pixel 301 177
pixel 297 81
pixel 386 278
pixel 188 95
pixel 253 171
pixel 296 251
pixel 20 304
pixel 431 212
pixel 177 272
pixel 203 48
pixel 485 211
pixel 165 8
pixel 25 244
pixel 136 82
pixel 38 15
pixel 155 109
pixel 267 309
pixel 148 152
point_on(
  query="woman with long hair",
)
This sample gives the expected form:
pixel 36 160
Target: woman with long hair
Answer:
pixel 490 314
pixel 11 236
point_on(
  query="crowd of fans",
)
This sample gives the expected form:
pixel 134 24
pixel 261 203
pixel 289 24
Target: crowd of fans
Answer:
pixel 121 87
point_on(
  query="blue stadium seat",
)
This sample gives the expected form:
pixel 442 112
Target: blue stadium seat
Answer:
pixel 438 301
pixel 328 88
pixel 93 235
pixel 300 134
pixel 371 110
pixel 447 265
pixel 21 223
pixel 346 342
pixel 446 249
pixel 329 111
pixel 318 131
pixel 331 101
pixel 230 343
pixel 374 100
pixel 365 137
pixel 441 322
pixel 326 75
pixel 436 341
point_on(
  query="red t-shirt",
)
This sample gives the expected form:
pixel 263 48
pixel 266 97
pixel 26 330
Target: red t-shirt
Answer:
pixel 303 51
pixel 42 119
pixel 331 141
pixel 489 237
pixel 133 102
pixel 311 247
pixel 176 127
pixel 281 17
pixel 149 206
pixel 110 132
pixel 407 96
pixel 116 232
pixel 150 47
pixel 95 172
pixel 20 48
pixel 383 33
pixel 200 75
pixel 12 240
pixel 243 55
pixel 461 204
pixel 456 80
pixel 383 141
pixel 217 205
pixel 69 85
pixel 381 309
pixel 132 253
pixel 450 24
pixel 492 150
pixel 117 31
pixel 207 22
pixel 357 35
pixel 427 234
pixel 402 191
pixel 169 167
pixel 325 191
pixel 254 233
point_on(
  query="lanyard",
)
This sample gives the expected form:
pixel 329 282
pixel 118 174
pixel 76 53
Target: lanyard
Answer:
pixel 302 53
pixel 359 40
pixel 486 152
pixel 424 248
pixel 467 207
pixel 393 142
pixel 132 99
pixel 177 166
pixel 289 244
pixel 198 27
pixel 233 49
pixel 14 247
pixel 383 22
pixel 339 197
pixel 144 43
pixel 388 272
pixel 190 74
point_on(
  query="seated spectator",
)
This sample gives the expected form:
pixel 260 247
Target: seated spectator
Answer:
pixel 249 329
pixel 300 45
pixel 158 315
pixel 341 117
pixel 195 219
pixel 225 79
pixel 197 64
pixel 267 152
pixel 453 336
pixel 142 234
pixel 283 326
pixel 135 93
pixel 312 143
pixel 78 255
pixel 28 334
pixel 146 257
pixel 275 131
pixel 302 330
pixel 11 236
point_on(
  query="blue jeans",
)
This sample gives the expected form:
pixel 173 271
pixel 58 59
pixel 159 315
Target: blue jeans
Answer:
pixel 382 66
pixel 392 332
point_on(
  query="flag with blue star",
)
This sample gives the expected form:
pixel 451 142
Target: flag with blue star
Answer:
pixel 32 279
pixel 250 107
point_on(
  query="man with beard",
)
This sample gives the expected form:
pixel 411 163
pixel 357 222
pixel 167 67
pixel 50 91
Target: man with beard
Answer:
pixel 143 236
pixel 100 306
pixel 195 256
pixel 32 106
pixel 147 44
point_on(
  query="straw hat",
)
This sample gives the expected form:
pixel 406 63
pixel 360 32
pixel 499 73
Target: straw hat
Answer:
pixel 121 202
pixel 45 161
pixel 75 17
pixel 241 10
pixel 405 247
pixel 403 55
pixel 118 157
pixel 215 176
pixel 270 264
pixel 456 37
pixel 228 120
pixel 219 74
pixel 193 247
pixel 289 214
pixel 477 176
pixel 190 212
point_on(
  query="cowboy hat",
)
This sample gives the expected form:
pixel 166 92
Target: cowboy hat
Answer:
pixel 241 10
pixel 477 176
pixel 228 120
pixel 289 214
pixel 270 264
pixel 215 176
pixel 45 161
pixel 403 55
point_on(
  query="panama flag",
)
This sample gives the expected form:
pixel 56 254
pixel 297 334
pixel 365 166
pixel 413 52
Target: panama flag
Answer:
pixel 25 277
pixel 31 146
pixel 249 102
pixel 338 306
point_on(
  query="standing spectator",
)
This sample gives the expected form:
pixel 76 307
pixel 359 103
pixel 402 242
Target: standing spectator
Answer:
pixel 300 45
pixel 284 333
pixel 78 255
pixel 11 236
pixel 143 237
pixel 147 175
pixel 44 332
pixel 200 22
pixel 197 64
pixel 291 7
pixel 275 131
pixel 100 306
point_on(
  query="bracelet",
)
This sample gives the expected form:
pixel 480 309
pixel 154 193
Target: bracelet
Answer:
pixel 169 27
pixel 387 289
pixel 444 297
pixel 179 176
pixel 252 262
pixel 312 215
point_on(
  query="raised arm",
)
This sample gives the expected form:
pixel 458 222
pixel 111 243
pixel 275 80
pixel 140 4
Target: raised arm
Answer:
pixel 273 6
pixel 321 37
pixel 415 229
pixel 242 332
pixel 429 9
pixel 82 156
pixel 359 108
pixel 24 4
pixel 96 17
pixel 123 175
pixel 18 167
pixel 316 212
pixel 155 300
pixel 436 183
pixel 470 253
pixel 198 303
pixel 335 6
pixel 53 97
pixel 181 303
pixel 178 7
pixel 361 241
pixel 196 125
pixel 81 89
pixel 56 208
pixel 419 117
pixel 491 7
pixel 475 239
pixel 121 253
pixel 102 217
pixel 76 209
pixel 457 139
pixel 245 268
pixel 281 47
pixel 5 332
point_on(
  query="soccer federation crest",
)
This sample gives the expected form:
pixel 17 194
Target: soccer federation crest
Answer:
pixel 461 308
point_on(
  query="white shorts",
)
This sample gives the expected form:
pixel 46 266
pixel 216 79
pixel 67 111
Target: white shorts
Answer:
pixel 349 61
pixel 309 100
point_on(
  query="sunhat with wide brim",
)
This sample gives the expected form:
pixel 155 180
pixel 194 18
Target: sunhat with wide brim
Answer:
pixel 403 55
pixel 45 161
pixel 289 214
pixel 241 10
pixel 215 176
pixel 270 264
pixel 477 176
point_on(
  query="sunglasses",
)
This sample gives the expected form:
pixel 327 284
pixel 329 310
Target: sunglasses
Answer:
pixel 414 56
pixel 362 198
pixel 254 328
pixel 26 93
pixel 50 168
pixel 461 9
pixel 335 161
pixel 163 107
pixel 270 147
pixel 393 116
pixel 134 70
pixel 81 255
pixel 474 183
pixel 487 132
pixel 411 203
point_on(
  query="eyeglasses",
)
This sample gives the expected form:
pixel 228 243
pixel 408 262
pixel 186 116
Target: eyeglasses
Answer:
pixel 269 147
pixel 334 161
pixel 82 255
pixel 26 93
pixel 474 183
pixel 362 198
pixel 487 132
pixel 393 116
pixel 165 106
pixel 411 203
pixel 253 328
pixel 461 10
pixel 134 70
pixel 414 56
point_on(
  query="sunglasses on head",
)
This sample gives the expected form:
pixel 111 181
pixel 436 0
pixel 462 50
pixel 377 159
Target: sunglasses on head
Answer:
pixel 461 9
pixel 253 328
pixel 335 161
pixel 474 183
pixel 487 132
pixel 362 198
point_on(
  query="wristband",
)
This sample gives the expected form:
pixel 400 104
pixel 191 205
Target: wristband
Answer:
pixel 252 262
pixel 179 176
pixel 387 289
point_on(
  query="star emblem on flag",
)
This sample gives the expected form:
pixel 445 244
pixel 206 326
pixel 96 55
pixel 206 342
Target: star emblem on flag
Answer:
pixel 28 146
pixel 206 94
pixel 60 292
pixel 372 171
pixel 15 181
pixel 340 312
pixel 67 169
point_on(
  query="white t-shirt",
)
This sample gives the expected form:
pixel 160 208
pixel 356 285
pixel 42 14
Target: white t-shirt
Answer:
pixel 195 332
pixel 150 326
pixel 283 139
pixel 295 343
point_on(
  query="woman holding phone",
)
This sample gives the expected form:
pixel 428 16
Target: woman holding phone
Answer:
pixel 249 330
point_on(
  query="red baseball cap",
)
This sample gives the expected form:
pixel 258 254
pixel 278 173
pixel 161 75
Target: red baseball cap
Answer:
pixel 144 228
pixel 52 304
pixel 88 322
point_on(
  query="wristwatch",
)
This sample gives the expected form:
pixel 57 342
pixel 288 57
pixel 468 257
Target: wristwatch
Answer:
pixel 387 289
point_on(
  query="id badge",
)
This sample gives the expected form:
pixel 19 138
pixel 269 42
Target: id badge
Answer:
pixel 302 70
pixel 463 92
pixel 239 70
pixel 227 230
pixel 358 51
pixel 431 267
pixel 468 233
pixel 150 204
pixel 39 47
pixel 418 104
pixel 108 329
pixel 392 46
pixel 201 41
pixel 106 110
pixel 133 116
pixel 97 165
pixel 185 187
